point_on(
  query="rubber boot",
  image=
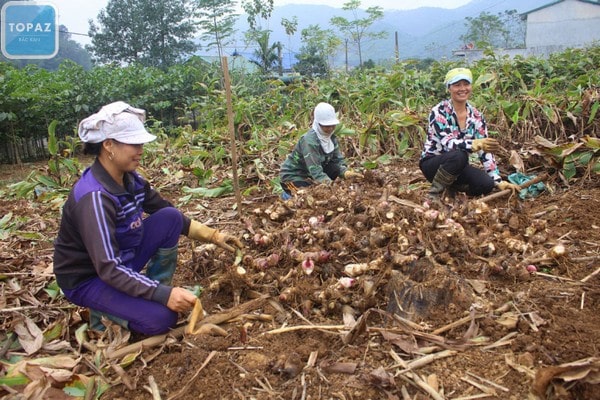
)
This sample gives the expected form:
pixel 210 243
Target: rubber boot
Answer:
pixel 96 320
pixel 440 182
pixel 161 266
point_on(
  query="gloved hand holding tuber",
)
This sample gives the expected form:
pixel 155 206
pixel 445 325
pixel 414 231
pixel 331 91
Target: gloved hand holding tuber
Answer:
pixel 202 232
pixel 503 185
pixel 488 145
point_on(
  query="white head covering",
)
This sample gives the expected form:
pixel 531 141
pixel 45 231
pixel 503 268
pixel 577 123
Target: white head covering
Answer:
pixel 118 121
pixel 324 115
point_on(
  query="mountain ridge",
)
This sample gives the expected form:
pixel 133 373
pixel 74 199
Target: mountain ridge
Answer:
pixel 425 32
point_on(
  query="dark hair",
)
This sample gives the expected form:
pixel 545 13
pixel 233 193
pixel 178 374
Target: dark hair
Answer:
pixel 92 148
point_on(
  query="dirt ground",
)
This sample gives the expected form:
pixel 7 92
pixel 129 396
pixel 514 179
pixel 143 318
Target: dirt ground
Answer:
pixel 358 291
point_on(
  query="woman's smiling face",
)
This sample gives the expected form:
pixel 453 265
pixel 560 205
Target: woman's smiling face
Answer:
pixel 126 157
pixel 460 91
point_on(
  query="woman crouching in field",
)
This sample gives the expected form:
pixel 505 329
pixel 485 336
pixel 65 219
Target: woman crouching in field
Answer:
pixel 114 223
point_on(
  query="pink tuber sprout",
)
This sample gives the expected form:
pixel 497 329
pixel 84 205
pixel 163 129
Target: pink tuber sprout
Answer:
pixel 531 268
pixel 308 266
pixel 316 221
pixel 317 256
pixel 265 262
pixel 346 282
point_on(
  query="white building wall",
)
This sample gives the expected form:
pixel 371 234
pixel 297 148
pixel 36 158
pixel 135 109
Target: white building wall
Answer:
pixel 470 56
pixel 570 23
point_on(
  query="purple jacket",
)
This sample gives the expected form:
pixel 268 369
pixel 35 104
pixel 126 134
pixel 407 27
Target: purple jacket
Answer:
pixel 100 228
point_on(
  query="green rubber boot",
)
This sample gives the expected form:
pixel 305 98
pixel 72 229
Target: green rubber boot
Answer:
pixel 440 182
pixel 96 320
pixel 161 266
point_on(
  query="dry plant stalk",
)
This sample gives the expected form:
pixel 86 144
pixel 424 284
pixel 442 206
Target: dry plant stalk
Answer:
pixel 488 391
pixel 491 383
pixel 305 327
pixel 587 278
pixel 420 382
pixel 197 313
pixel 503 341
pixel 421 362
pixel 455 324
pixel 153 388
pixel 214 319
pixel 506 192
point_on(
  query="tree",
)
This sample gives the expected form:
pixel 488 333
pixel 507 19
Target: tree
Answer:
pixel 311 63
pixel 316 54
pixel 357 29
pixel 257 10
pixel 150 32
pixel 505 29
pixel 514 36
pixel 290 27
pixel 216 20
pixel 267 55
pixel 68 49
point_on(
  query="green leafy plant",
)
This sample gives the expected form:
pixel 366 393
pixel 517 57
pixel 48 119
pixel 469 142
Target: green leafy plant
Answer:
pixel 62 171
pixel 573 157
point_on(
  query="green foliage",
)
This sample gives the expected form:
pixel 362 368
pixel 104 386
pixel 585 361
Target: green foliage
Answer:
pixel 63 170
pixel 267 55
pixel 319 45
pixel 383 113
pixel 216 23
pixel 225 188
pixel 53 290
pixel 505 29
pixel 257 10
pixel 311 62
pixel 155 33
pixel 571 158
pixel 87 387
pixel 6 226
pixel 357 30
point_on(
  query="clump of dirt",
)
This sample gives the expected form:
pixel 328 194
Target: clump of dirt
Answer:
pixel 369 293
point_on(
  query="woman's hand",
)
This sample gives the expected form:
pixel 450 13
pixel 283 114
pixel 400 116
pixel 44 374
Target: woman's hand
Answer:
pixel 226 241
pixel 181 299
pixel 503 185
pixel 202 232
pixel 488 145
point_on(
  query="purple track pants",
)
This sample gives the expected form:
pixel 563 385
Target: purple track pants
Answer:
pixel 161 230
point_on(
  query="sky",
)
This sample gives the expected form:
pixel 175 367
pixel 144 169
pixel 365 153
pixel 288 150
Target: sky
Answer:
pixel 74 14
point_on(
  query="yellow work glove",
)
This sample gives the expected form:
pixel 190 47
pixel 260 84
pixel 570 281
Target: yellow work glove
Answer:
pixel 350 174
pixel 503 185
pixel 202 232
pixel 488 145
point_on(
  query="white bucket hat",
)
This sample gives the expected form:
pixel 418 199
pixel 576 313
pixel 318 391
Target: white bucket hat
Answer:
pixel 325 114
pixel 118 121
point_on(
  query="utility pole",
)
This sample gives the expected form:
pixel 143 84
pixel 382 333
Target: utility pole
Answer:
pixel 397 52
pixel 346 45
pixel 280 59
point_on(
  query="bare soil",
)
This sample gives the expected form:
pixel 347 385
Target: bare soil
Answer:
pixel 443 305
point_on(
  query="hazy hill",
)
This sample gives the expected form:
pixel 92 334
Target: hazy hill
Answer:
pixel 422 32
